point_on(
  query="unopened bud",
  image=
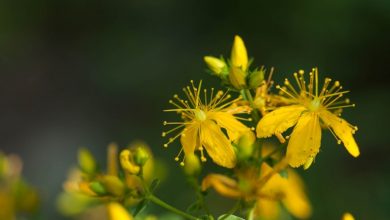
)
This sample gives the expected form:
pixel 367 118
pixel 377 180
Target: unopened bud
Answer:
pixel 141 156
pixel 216 65
pixel 192 166
pixel 239 56
pixel 97 187
pixel 256 78
pixel 116 211
pixel 348 216
pixel 113 185
pixel 86 161
pixel 237 77
pixel 245 145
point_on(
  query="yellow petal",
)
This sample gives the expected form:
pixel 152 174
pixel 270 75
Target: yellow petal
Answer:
pixel 222 184
pixel 266 209
pixel 305 140
pixel 116 211
pixel 217 145
pixel 279 120
pixel 289 190
pixel 189 138
pixel 233 127
pixel 295 200
pixel 239 56
pixel 343 130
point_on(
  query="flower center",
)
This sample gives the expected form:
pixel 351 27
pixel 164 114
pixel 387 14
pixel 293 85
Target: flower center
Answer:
pixel 314 104
pixel 200 115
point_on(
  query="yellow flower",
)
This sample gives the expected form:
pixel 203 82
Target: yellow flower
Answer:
pixel 309 109
pixel 266 189
pixel 202 122
pixel 348 216
pixel 239 56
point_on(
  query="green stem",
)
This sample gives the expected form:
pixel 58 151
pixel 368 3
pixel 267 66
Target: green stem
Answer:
pixel 165 205
pixel 248 96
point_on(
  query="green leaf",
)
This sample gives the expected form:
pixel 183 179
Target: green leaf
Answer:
pixel 141 206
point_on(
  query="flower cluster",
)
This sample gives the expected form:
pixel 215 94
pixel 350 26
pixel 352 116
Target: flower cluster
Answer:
pixel 231 127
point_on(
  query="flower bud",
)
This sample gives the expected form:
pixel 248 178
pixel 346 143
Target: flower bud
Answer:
pixel 141 156
pixel 113 185
pixel 256 78
pixel 348 216
pixel 86 161
pixel 192 166
pixel 216 65
pixel 239 56
pixel 116 211
pixel 97 187
pixel 237 78
pixel 245 145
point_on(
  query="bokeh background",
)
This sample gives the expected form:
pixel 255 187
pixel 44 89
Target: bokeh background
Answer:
pixel 85 73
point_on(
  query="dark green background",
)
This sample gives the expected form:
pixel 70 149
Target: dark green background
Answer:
pixel 78 73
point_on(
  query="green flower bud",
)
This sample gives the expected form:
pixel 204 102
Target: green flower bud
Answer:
pixel 245 145
pixel 141 156
pixel 192 166
pixel 86 161
pixel 256 78
pixel 97 187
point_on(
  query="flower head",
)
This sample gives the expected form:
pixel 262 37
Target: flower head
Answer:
pixel 203 121
pixel 309 108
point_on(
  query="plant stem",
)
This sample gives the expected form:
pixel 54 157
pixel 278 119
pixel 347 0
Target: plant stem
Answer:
pixel 165 205
pixel 248 96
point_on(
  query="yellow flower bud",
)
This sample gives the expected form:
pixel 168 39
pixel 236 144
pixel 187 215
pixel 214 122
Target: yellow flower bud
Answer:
pixel 86 161
pixel 237 78
pixel 113 185
pixel 239 56
pixel 126 160
pixel 192 165
pixel 116 211
pixel 348 216
pixel 216 65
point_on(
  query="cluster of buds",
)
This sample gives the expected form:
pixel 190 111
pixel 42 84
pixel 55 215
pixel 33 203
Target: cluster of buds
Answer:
pixel 115 188
pixel 236 73
pixel 17 198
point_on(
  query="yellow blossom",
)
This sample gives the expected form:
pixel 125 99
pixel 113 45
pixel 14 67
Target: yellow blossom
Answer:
pixel 266 189
pixel 310 107
pixel 116 211
pixel 239 56
pixel 203 119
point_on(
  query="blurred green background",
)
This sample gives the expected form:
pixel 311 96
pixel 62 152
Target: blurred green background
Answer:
pixel 85 73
